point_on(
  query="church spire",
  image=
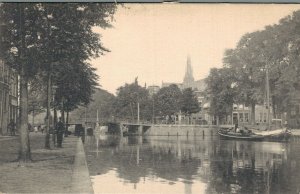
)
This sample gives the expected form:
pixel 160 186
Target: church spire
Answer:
pixel 188 77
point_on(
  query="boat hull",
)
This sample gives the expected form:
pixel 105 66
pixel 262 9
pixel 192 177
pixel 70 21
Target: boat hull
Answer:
pixel 276 135
pixel 237 136
pixel 279 137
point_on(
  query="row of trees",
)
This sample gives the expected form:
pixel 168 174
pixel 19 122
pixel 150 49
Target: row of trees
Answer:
pixel 49 44
pixel 167 101
pixel 243 76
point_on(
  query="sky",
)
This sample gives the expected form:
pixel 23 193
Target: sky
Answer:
pixel 152 41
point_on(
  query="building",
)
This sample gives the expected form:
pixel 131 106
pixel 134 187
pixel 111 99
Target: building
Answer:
pixel 153 89
pixel 198 86
pixel 293 115
pixel 8 97
pixel 242 115
pixel 188 80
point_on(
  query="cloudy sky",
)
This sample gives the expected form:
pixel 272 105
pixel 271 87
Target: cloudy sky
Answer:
pixel 152 41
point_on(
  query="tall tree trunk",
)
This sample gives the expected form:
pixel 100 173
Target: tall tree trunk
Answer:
pixel 274 107
pixel 33 116
pixel 54 125
pixel 2 113
pixel 67 123
pixel 54 116
pixel 253 113
pixel 47 140
pixel 24 153
pixel 62 116
pixel 63 110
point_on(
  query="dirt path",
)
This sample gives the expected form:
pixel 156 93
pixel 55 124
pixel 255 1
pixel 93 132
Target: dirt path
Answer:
pixel 50 172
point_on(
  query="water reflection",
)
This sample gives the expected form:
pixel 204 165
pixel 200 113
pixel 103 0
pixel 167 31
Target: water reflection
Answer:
pixel 192 165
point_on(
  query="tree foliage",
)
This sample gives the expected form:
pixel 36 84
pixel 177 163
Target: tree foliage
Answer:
pixel 102 101
pixel 220 88
pixel 189 102
pixel 52 37
pixel 127 99
pixel 37 93
pixel 167 100
pixel 276 49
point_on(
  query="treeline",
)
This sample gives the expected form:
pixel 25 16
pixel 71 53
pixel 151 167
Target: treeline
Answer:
pixel 49 46
pixel 166 102
pixel 242 79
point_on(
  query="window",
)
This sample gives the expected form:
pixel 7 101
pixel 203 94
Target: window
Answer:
pixel 241 117
pixel 246 115
pixel 260 117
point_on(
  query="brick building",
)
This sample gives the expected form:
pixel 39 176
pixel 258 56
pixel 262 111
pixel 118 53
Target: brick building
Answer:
pixel 8 97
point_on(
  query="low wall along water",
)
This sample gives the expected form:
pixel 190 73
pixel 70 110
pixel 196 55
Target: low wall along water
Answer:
pixel 181 130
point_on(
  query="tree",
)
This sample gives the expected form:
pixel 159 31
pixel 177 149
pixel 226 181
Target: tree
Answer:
pixel 36 96
pixel 127 99
pixel 19 45
pixel 247 62
pixel 287 70
pixel 74 88
pixel 102 101
pixel 188 102
pixel 274 49
pixel 38 36
pixel 69 42
pixel 167 100
pixel 221 92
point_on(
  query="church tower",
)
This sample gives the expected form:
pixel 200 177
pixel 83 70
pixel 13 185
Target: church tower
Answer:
pixel 188 77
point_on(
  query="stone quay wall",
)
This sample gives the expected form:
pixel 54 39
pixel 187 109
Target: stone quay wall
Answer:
pixel 181 130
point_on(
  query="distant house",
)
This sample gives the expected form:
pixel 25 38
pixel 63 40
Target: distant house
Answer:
pixel 293 115
pixel 241 114
pixel 153 89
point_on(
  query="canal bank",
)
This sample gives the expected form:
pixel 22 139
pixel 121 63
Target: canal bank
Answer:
pixel 51 171
pixel 81 182
pixel 181 130
pixel 191 130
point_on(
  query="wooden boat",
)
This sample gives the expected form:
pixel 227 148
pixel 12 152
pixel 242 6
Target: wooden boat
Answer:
pixel 278 134
pixel 274 131
pixel 230 134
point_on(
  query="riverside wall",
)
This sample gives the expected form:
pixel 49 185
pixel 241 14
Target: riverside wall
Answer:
pixel 181 130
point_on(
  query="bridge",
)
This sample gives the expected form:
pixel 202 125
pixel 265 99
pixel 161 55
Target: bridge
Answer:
pixel 127 128
pixel 117 127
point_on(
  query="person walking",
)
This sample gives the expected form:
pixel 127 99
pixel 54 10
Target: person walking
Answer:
pixel 59 132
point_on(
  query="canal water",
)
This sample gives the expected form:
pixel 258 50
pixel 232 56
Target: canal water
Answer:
pixel 162 164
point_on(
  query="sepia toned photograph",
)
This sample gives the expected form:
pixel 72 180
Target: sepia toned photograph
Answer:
pixel 149 98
